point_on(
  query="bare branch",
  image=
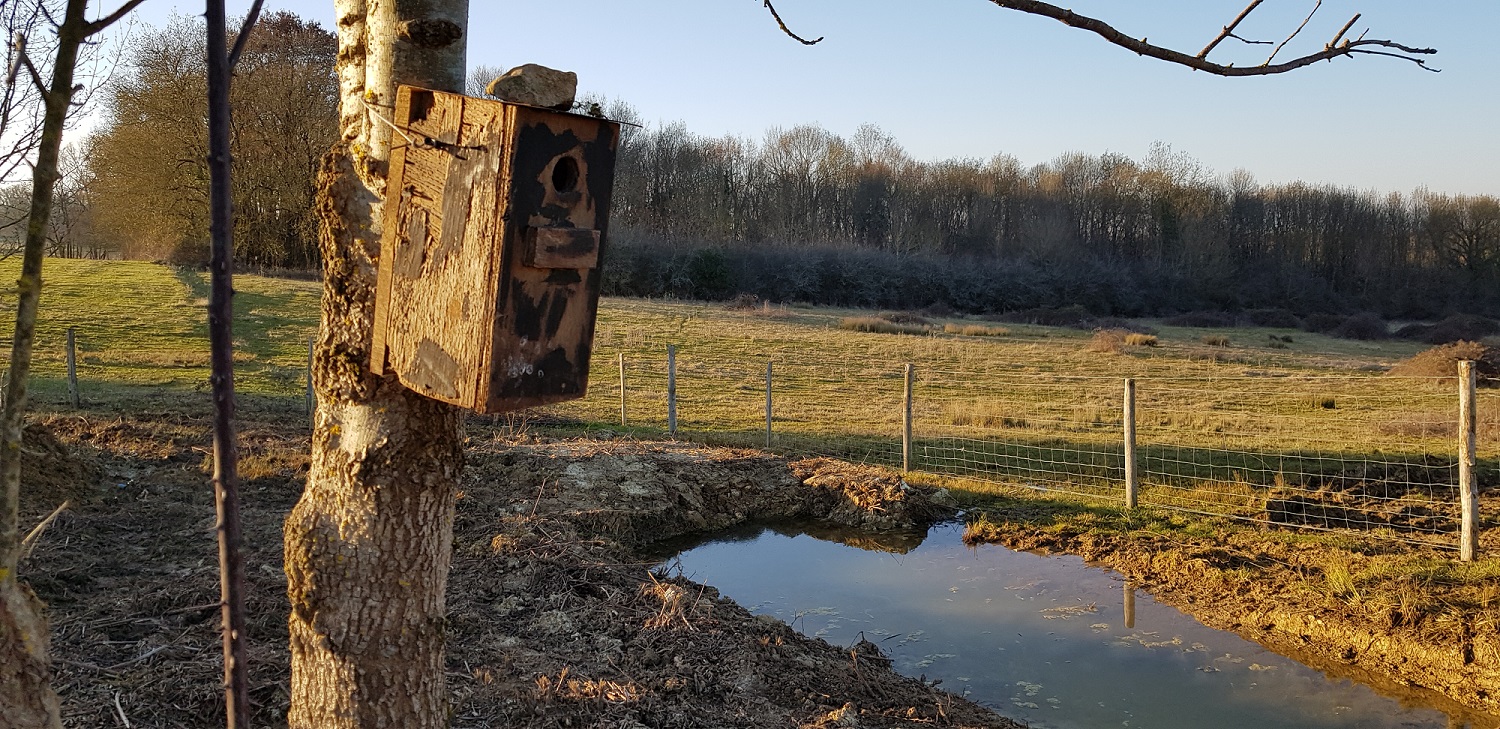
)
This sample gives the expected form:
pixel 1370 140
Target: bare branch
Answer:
pixel 99 25
pixel 36 78
pixel 1338 37
pixel 245 28
pixel 787 30
pixel 1247 41
pixel 1229 29
pixel 1417 61
pixel 1289 38
pixel 1142 47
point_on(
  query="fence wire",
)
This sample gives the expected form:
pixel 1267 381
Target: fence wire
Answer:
pixel 1376 454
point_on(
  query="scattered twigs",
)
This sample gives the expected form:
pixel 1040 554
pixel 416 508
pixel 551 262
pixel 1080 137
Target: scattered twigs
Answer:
pixel 1144 48
pixel 1229 29
pixel 120 712
pixel 1294 34
pixel 32 537
pixel 787 30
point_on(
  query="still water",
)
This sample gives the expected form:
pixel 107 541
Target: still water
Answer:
pixel 1046 640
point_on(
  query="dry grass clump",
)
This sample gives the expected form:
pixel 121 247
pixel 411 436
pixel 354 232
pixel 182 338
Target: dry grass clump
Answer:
pixel 982 531
pixel 1136 339
pixel 1215 340
pixel 1442 361
pixel 1107 341
pixel 975 330
pixel 879 326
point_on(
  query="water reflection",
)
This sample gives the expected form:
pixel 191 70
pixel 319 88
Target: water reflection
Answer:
pixel 1031 636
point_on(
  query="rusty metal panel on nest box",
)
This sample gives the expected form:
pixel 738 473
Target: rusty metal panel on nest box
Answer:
pixel 495 220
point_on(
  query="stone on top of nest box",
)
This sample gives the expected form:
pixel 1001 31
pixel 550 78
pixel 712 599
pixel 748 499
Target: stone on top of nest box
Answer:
pixel 535 85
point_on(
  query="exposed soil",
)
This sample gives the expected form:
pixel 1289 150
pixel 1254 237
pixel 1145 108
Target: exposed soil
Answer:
pixel 555 618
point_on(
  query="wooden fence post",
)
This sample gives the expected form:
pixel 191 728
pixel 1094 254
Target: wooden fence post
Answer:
pixel 1468 491
pixel 309 400
pixel 906 460
pixel 72 369
pixel 672 390
pixel 623 420
pixel 768 406
pixel 1131 484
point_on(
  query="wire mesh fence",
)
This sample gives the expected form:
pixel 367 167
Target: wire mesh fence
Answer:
pixel 1373 453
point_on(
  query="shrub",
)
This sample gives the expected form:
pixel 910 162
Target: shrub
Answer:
pixel 743 302
pixel 1322 402
pixel 1211 319
pixel 1442 361
pixel 1114 322
pixel 1136 339
pixel 904 317
pixel 1452 329
pixel 1322 323
pixel 879 326
pixel 1364 327
pixel 1067 316
pixel 1107 340
pixel 1215 340
pixel 1274 318
pixel 940 309
pixel 975 330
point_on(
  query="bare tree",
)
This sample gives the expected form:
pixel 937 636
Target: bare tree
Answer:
pixel 368 545
pixel 26 695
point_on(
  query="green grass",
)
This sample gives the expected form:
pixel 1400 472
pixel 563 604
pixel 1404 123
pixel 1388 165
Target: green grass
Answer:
pixel 142 332
pixel 1036 405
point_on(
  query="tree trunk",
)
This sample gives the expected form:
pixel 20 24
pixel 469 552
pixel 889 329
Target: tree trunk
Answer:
pixel 26 696
pixel 369 544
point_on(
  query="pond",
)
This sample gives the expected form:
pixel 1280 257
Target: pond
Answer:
pixel 1046 640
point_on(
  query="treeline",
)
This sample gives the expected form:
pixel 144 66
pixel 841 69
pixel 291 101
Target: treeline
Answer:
pixel 803 214
pixel 138 186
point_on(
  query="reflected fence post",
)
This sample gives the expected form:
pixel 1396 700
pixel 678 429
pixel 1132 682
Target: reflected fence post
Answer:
pixel 1129 605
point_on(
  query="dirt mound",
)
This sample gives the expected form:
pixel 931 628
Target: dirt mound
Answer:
pixel 1442 361
pixel 52 472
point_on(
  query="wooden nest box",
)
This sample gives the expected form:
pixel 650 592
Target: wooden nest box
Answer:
pixel 495 218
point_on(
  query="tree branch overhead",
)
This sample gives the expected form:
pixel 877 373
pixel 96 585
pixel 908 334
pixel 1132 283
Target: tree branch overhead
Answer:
pixel 1200 62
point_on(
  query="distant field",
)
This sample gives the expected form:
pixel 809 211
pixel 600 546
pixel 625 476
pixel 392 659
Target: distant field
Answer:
pixel 1033 404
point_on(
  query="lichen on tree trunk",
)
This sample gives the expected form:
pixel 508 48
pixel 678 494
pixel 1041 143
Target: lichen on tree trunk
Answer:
pixel 368 545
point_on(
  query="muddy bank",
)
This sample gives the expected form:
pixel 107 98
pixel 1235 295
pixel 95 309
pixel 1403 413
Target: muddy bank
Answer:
pixel 554 617
pixel 1381 614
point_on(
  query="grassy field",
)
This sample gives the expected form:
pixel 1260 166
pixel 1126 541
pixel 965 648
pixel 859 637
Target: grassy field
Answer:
pixel 1219 425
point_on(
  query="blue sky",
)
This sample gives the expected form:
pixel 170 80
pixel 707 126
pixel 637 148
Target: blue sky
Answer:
pixel 963 78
